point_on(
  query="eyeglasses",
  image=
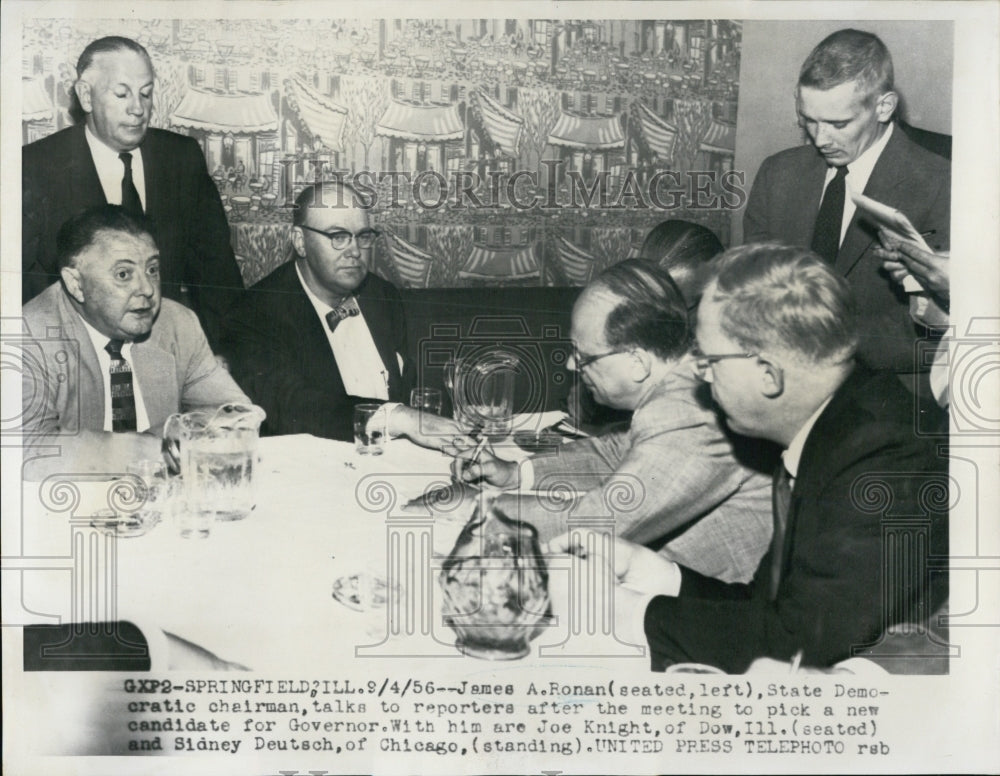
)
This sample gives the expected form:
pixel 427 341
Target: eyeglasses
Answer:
pixel 703 361
pixel 341 238
pixel 585 361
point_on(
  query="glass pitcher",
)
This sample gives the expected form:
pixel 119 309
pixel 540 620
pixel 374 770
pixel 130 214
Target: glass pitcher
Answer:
pixel 217 451
pixel 483 391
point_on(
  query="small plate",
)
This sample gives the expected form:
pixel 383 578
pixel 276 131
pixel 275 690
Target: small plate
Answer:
pixel 361 592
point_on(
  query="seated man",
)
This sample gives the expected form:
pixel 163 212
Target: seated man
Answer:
pixel 778 333
pixel 321 333
pixel 700 492
pixel 107 362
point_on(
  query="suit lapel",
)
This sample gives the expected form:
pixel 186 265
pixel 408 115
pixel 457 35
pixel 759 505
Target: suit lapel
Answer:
pixel 303 320
pixel 81 172
pixel 378 324
pixel 153 369
pixel 91 378
pixel 155 176
pixel 887 175
pixel 808 197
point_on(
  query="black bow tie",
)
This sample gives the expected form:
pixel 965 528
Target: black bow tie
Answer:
pixel 346 309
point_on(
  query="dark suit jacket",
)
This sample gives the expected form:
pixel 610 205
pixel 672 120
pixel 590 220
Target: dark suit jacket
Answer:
pixel 59 179
pixel 783 205
pixel 280 355
pixel 863 472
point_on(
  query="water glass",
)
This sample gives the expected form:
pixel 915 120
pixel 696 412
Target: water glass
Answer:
pixel 154 489
pixel 369 429
pixel 426 399
pixel 193 521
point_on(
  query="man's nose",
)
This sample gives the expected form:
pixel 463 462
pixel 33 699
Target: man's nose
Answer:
pixel 135 105
pixel 571 362
pixel 352 248
pixel 146 285
pixel 821 136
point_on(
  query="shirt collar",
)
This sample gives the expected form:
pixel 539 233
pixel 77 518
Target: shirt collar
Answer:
pixel 104 154
pixel 322 308
pixel 861 168
pixel 101 340
pixel 793 453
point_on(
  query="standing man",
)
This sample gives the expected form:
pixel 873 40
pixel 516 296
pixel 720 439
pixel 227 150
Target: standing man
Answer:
pixel 860 501
pixel 801 196
pixel 321 333
pixel 115 158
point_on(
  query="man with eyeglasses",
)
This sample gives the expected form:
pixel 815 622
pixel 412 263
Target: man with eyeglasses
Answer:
pixel 321 333
pixel 859 500
pixel 697 494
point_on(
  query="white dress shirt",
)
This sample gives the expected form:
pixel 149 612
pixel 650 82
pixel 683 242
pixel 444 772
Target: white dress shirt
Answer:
pixel 104 359
pixel 858 173
pixel 361 367
pixel 110 170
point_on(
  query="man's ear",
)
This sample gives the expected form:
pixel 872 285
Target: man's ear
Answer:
pixel 298 241
pixel 82 89
pixel 641 364
pixel 71 279
pixel 886 106
pixel 772 379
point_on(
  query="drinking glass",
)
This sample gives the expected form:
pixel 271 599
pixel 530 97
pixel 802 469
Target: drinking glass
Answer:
pixel 426 399
pixel 369 429
pixel 155 489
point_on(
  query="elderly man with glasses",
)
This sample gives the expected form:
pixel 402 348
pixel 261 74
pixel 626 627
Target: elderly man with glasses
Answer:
pixel 697 494
pixel 321 333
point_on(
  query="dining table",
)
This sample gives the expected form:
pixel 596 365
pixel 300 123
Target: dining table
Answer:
pixel 259 592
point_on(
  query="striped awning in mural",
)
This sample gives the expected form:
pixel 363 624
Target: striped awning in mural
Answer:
pixel 720 138
pixel 595 133
pixel 501 263
pixel 503 125
pixel 36 103
pixel 660 136
pixel 412 264
pixel 421 123
pixel 210 111
pixel 323 116
pixel 576 263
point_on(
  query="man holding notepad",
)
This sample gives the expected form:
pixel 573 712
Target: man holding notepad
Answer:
pixel 803 196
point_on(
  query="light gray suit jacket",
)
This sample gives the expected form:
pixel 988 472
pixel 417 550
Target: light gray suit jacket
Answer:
pixel 673 475
pixel 63 387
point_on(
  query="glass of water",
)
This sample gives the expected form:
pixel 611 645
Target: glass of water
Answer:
pixel 369 429
pixel 426 399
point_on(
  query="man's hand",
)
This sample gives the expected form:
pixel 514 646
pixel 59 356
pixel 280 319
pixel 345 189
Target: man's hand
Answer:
pixel 425 428
pixel 476 464
pixel 932 270
pixel 635 566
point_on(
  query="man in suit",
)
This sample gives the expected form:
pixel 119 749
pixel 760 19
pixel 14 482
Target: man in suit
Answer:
pixel 859 498
pixel 700 494
pixel 105 354
pixel 321 333
pixel 846 104
pixel 114 157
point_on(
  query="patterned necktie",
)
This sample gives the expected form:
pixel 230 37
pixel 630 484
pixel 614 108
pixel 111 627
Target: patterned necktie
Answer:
pixel 830 219
pixel 130 195
pixel 122 393
pixel 781 501
pixel 346 309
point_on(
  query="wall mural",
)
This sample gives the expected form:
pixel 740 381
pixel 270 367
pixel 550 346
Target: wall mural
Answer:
pixel 496 151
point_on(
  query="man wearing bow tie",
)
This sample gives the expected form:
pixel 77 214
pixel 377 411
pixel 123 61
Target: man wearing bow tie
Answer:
pixel 321 333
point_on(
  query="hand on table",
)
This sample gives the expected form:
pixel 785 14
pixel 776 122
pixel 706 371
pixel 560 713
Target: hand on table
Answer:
pixel 634 566
pixel 426 429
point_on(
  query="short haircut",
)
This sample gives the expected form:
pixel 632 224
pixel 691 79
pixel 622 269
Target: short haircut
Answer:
pixel 112 43
pixel 776 296
pixel 849 55
pixel 685 250
pixel 651 314
pixel 80 232
pixel 335 193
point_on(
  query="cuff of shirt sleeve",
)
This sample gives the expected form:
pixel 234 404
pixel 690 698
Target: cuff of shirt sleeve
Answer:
pixel 526 476
pixel 861 666
pixel 156 643
pixel 388 408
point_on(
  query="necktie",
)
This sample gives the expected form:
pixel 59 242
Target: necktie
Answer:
pixel 122 394
pixel 346 309
pixel 130 195
pixel 830 219
pixel 781 500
